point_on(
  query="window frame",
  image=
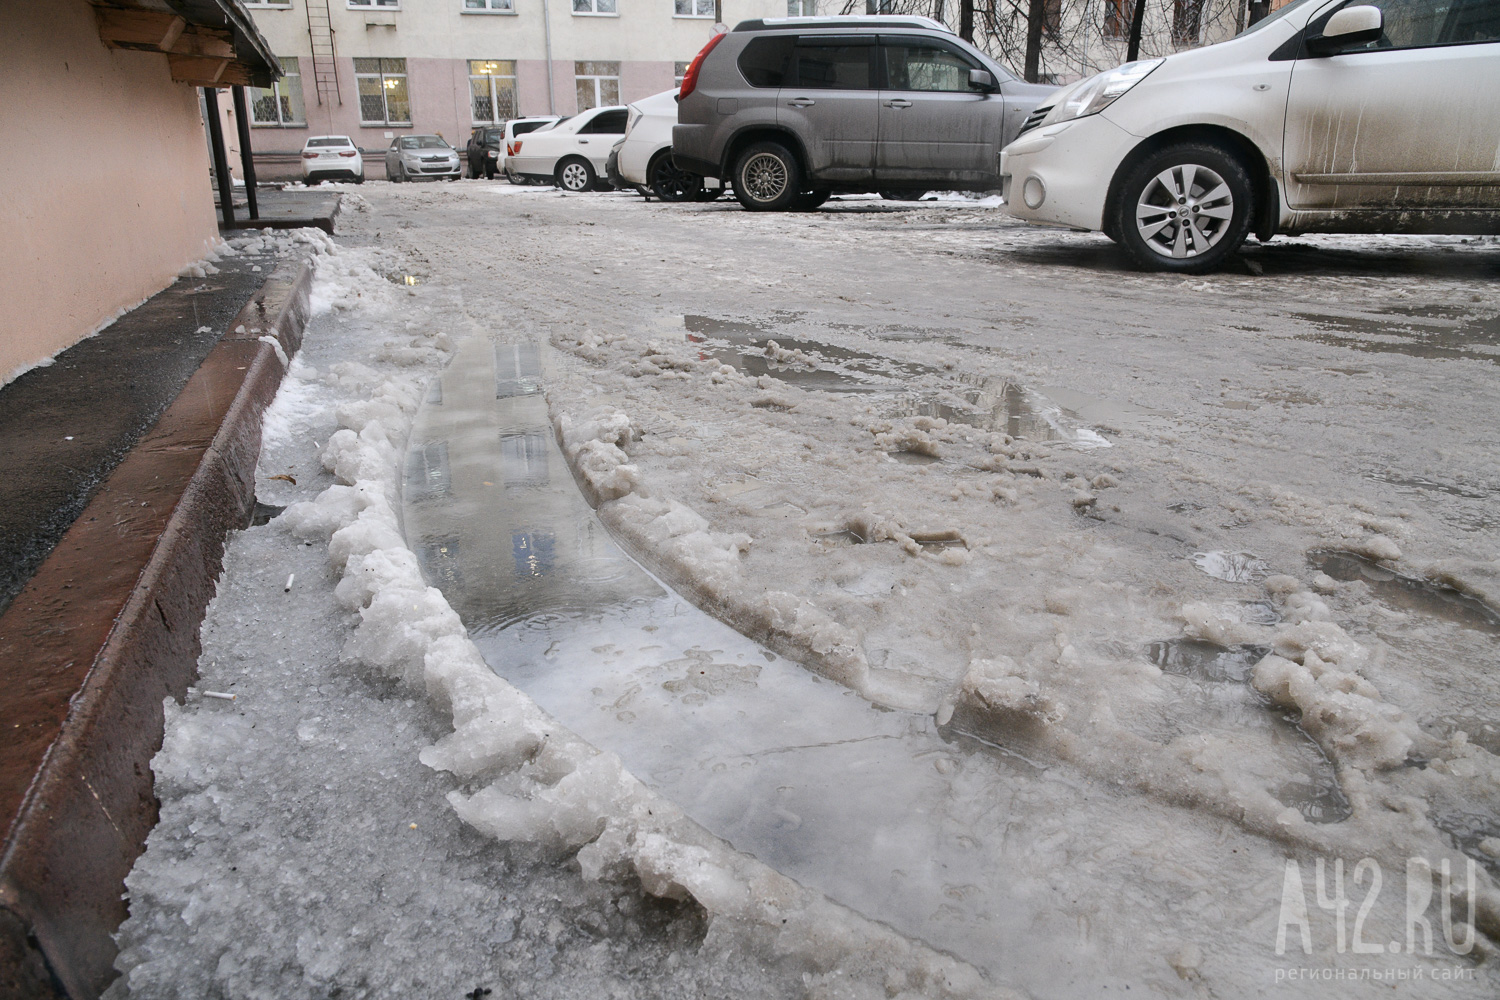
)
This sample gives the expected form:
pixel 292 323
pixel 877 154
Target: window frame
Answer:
pixel 805 8
pixel 597 78
pixel 488 8
pixel 494 102
pixel 888 42
pixel 1315 28
pixel 870 42
pixel 382 75
pixel 373 4
pixel 275 91
pixel 595 11
pixel 694 4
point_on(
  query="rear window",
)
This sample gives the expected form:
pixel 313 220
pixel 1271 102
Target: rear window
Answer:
pixel 523 127
pixel 767 59
pixel 335 141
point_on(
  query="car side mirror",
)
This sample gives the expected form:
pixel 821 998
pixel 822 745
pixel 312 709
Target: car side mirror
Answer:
pixel 1347 28
pixel 982 79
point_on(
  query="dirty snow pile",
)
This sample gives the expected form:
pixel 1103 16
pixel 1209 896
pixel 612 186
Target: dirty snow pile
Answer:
pixel 947 564
pixel 302 850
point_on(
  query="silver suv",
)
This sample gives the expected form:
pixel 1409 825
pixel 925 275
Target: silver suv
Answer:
pixel 790 110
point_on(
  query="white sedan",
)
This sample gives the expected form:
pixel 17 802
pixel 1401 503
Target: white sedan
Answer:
pixel 1335 116
pixel 571 152
pixel 332 158
pixel 646 155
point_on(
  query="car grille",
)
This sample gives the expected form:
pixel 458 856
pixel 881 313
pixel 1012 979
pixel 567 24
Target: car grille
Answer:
pixel 1033 120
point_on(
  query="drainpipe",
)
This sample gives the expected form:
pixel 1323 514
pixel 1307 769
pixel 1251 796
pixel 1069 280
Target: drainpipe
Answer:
pixel 547 31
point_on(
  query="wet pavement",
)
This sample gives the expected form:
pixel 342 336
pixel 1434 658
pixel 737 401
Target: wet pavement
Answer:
pixel 67 425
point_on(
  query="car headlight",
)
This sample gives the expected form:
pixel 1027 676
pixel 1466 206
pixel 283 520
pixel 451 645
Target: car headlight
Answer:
pixel 1098 92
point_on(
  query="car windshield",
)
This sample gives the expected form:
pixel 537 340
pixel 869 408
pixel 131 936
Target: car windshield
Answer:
pixel 423 142
pixel 1274 16
pixel 336 140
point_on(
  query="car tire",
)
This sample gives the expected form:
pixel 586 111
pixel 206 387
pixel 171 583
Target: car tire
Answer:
pixel 767 177
pixel 1162 203
pixel 489 172
pixel 808 201
pixel 399 175
pixel 360 179
pixel 669 182
pixel 575 174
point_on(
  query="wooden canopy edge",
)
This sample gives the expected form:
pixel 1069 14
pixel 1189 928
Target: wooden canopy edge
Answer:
pixel 208 43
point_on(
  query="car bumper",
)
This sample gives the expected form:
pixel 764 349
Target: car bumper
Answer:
pixel 1061 173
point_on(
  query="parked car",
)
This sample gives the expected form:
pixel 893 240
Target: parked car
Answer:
pixel 572 151
pixel 413 156
pixel 646 153
pixel 791 109
pixel 612 169
pixel 1337 116
pixel 332 157
pixel 514 129
pixel 482 152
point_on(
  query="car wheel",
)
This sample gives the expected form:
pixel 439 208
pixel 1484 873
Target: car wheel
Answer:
pixel 575 175
pixel 1184 209
pixel 902 195
pixel 767 177
pixel 670 182
pixel 398 175
pixel 809 200
pixel 489 172
pixel 360 179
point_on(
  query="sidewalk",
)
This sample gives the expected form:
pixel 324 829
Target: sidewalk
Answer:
pixel 281 209
pixel 126 462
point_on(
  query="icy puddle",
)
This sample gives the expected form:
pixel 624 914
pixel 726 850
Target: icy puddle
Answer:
pixel 1433 332
pixel 1014 865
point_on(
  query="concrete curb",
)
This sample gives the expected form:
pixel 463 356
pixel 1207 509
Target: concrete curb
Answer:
pixel 104 631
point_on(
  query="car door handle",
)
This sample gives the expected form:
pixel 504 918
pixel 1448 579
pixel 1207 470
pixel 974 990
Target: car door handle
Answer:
pixel 802 102
pixel 899 102
pixel 583 142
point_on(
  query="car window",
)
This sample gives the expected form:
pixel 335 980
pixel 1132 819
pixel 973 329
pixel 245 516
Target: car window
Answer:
pixel 912 64
pixel 1416 24
pixel 606 123
pixel 835 66
pixel 330 141
pixel 767 60
pixel 523 127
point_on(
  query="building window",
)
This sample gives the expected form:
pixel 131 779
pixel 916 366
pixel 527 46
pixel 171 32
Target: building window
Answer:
pixel 383 98
pixel 679 71
pixel 595 7
pixel 492 90
pixel 1187 21
pixel 375 3
pixel 801 8
pixel 1117 14
pixel 598 83
pixel 280 104
pixel 693 8
pixel 268 3
pixel 490 6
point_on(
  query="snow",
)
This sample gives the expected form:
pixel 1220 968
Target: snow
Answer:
pixel 884 497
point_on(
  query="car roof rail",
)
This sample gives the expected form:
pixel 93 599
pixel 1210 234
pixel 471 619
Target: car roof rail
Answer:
pixel 844 21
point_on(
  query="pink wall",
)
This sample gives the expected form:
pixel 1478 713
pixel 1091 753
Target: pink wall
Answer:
pixel 642 79
pixel 107 193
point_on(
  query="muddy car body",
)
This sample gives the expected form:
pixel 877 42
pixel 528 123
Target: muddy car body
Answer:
pixel 846 104
pixel 1337 116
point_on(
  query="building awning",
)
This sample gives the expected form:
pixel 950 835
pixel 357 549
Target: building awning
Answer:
pixel 208 43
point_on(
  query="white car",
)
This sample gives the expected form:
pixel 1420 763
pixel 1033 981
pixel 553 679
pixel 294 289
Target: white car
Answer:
pixel 571 152
pixel 514 129
pixel 1337 116
pixel 646 156
pixel 332 158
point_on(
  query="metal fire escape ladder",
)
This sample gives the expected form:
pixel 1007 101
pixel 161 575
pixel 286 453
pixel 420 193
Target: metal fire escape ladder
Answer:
pixel 324 56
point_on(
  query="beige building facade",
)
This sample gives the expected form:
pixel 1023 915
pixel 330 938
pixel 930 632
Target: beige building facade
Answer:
pixel 121 201
pixel 374 69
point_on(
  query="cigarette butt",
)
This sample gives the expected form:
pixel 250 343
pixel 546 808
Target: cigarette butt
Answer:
pixel 217 694
pixel 289 582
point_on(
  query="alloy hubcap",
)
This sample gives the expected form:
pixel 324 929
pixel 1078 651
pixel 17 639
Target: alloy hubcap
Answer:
pixel 1184 211
pixel 574 177
pixel 765 177
pixel 671 182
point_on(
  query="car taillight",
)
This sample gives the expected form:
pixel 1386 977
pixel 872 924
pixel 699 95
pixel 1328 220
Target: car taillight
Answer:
pixel 514 148
pixel 690 78
pixel 309 156
pixel 350 153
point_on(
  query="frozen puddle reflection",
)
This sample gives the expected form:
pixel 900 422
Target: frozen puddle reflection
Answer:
pixel 946 838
